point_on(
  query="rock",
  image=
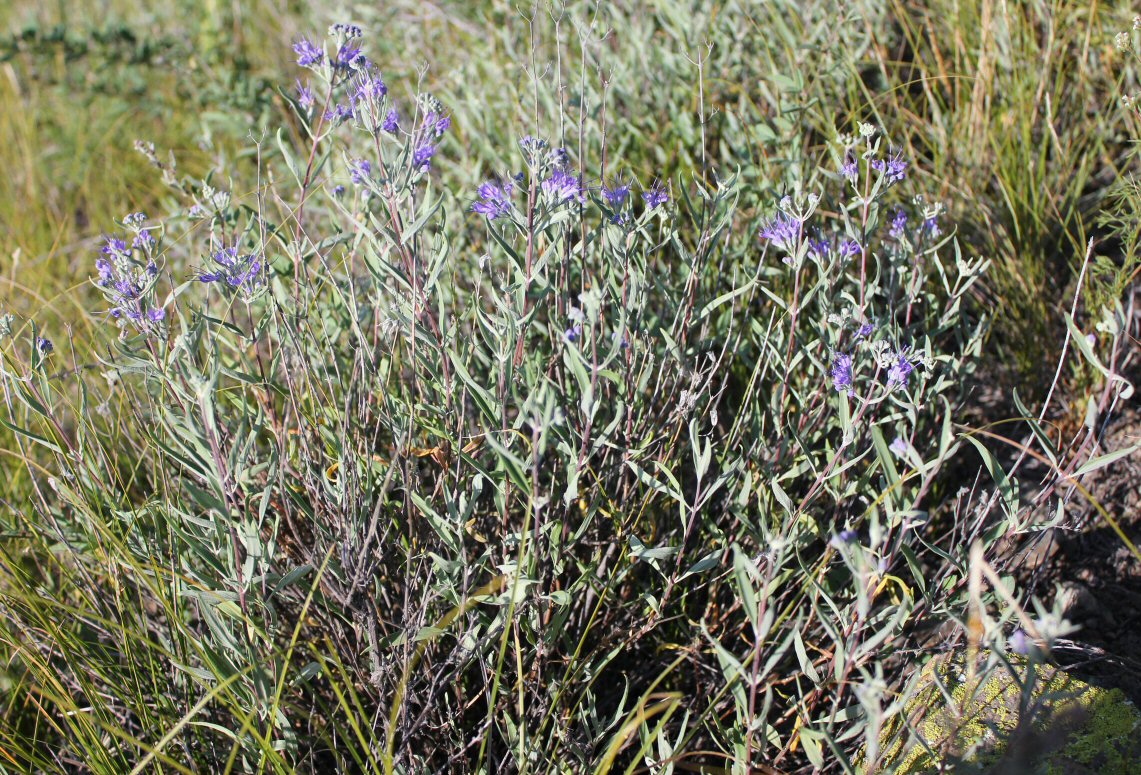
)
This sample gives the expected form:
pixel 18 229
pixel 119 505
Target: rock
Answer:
pixel 1040 549
pixel 1078 602
pixel 1068 728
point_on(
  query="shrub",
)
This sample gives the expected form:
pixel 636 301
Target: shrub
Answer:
pixel 608 470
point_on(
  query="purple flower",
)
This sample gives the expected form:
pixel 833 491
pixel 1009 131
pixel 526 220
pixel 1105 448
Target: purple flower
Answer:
pixel 563 187
pixel 44 345
pixel 350 56
pixel 227 257
pixel 134 221
pixel 422 156
pixel 247 276
pixel 1018 642
pixel 842 373
pixel 894 167
pixel 532 147
pixel 370 88
pixel 339 114
pixel 144 240
pixel 308 54
pixel 304 95
pixel 655 197
pixel 242 272
pixel 360 170
pixel 348 31
pixel 115 247
pixel 900 371
pixel 436 123
pixel 128 289
pixel 849 169
pixel 784 231
pixel 844 537
pixel 899 447
pixel 865 331
pixel 124 282
pixel 819 246
pixel 848 249
pixel 103 266
pixel 156 314
pixel 898 224
pixel 559 157
pixel 573 333
pixel 931 224
pixel 338 190
pixel 391 122
pixel 617 195
pixel 495 199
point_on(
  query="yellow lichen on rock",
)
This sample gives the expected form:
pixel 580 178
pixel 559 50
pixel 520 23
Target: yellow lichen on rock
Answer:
pixel 1064 726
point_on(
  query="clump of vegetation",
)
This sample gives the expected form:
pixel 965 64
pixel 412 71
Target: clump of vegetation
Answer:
pixel 433 438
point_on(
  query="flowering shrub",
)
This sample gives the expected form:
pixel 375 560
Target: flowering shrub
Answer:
pixel 581 479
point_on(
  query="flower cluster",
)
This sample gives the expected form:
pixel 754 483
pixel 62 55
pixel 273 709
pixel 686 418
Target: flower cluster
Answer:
pixel 233 269
pixel 894 168
pixel 368 103
pixel 850 170
pixel 309 54
pixel 534 150
pixel 360 170
pixel 391 123
pixel 615 197
pixel 574 332
pixel 432 127
pixel 898 224
pixel 551 173
pixel 899 364
pixel 655 196
pixel 848 248
pixel 304 95
pixel 783 231
pixel 495 199
pixel 562 186
pixel 349 55
pixel 900 370
pixel 364 97
pixel 127 274
pixel 900 447
pixel 842 373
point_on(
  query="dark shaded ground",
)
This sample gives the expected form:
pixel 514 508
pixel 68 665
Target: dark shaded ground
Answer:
pixel 1100 580
pixel 1096 574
